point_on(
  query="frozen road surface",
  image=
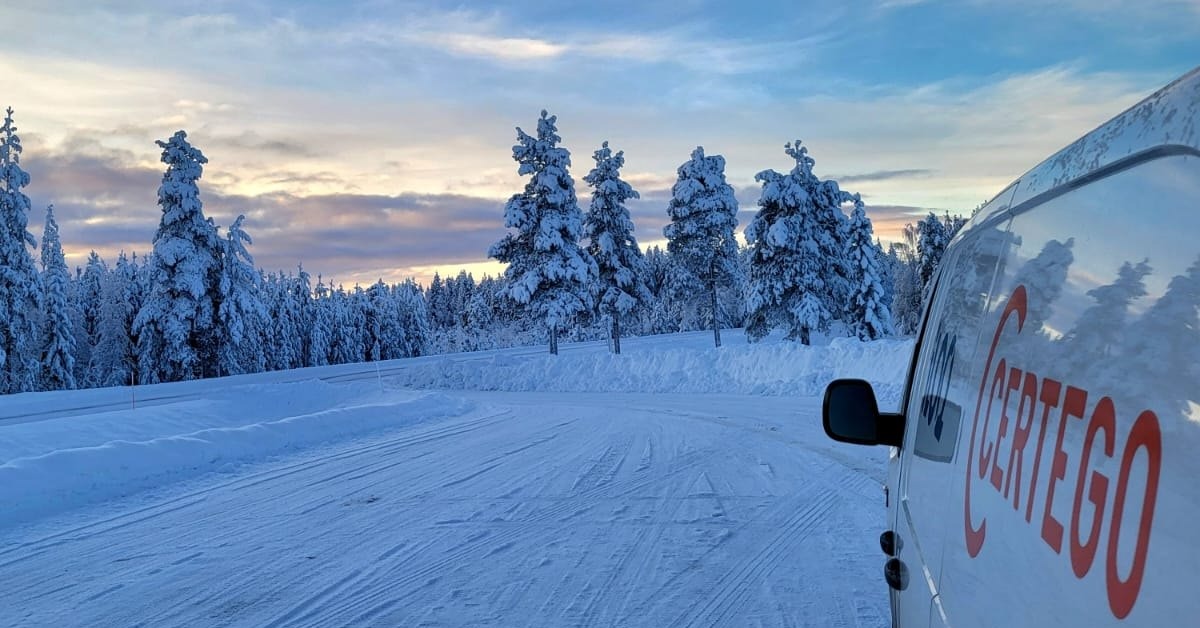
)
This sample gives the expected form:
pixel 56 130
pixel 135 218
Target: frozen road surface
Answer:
pixel 674 485
pixel 531 509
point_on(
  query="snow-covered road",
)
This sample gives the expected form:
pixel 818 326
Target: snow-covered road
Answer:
pixel 525 509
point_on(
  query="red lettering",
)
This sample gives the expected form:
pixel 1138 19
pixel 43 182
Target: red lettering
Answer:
pixel 1021 437
pixel 1083 554
pixel 976 535
pixel 1147 435
pixel 986 449
pixel 1014 382
pixel 1073 406
pixel 999 380
pixel 1049 398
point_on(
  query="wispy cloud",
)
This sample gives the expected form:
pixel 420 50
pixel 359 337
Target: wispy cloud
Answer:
pixel 884 175
pixel 490 47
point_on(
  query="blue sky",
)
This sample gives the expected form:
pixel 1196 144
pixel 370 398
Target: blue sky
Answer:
pixel 373 139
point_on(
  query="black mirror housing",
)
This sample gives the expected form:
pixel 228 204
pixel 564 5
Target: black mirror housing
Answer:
pixel 850 414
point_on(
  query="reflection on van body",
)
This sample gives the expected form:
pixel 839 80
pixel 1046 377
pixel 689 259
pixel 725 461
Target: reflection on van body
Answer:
pixel 1067 449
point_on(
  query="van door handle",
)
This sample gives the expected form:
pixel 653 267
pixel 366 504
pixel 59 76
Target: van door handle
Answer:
pixel 896 574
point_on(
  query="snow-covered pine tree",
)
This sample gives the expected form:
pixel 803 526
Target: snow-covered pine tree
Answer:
pixel 175 326
pixel 931 244
pixel 302 295
pixel 115 356
pixel 413 318
pixel 241 314
pixel 439 303
pixel 828 198
pixel 481 316
pixel 88 302
pixel 906 281
pixel 868 316
pixel 657 317
pixel 283 337
pixel 20 290
pixel 700 236
pixel 790 271
pixel 612 244
pixel 376 303
pixel 321 332
pixel 548 273
pixel 460 296
pixel 887 279
pixel 58 337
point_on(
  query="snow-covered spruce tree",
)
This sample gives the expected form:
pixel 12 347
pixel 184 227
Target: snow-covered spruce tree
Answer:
pixel 933 238
pixel 481 316
pixel 88 302
pixel 20 289
pixel 795 259
pixel 175 326
pixel 58 337
pixel 302 295
pixel 241 315
pixel 906 281
pixel 700 238
pixel 612 244
pixel 413 318
pixel 283 344
pixel 868 317
pixel 376 322
pixel 548 273
pixel 320 343
pixel 120 300
pixel 347 335
pixel 438 298
pixel 887 279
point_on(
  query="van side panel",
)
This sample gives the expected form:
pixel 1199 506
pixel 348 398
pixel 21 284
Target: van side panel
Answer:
pixel 924 518
pixel 1073 481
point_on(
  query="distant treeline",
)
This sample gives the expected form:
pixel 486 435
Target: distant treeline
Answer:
pixel 197 306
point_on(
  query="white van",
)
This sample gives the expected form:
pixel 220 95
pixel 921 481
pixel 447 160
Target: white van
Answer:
pixel 1045 466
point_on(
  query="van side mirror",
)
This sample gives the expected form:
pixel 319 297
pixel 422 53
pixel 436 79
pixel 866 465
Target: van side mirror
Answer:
pixel 851 415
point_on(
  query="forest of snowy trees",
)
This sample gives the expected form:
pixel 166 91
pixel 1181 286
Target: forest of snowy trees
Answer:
pixel 197 306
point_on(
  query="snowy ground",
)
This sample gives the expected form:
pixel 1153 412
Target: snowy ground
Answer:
pixel 675 485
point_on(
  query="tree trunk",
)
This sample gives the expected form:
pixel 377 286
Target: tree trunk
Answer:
pixel 716 323
pixel 554 340
pixel 616 332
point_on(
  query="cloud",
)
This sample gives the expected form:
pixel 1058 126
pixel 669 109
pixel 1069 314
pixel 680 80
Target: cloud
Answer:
pixel 107 201
pixel 506 49
pixel 883 175
pixel 363 125
pixel 252 141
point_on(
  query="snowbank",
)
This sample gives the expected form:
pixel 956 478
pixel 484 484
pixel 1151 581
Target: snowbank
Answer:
pixel 768 368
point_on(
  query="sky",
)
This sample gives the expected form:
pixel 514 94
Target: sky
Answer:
pixel 370 139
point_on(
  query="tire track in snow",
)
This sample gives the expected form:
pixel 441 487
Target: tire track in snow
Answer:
pixel 275 473
pixel 732 589
pixel 476 548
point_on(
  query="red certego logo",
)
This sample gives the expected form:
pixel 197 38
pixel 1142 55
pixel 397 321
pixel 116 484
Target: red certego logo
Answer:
pixel 1006 452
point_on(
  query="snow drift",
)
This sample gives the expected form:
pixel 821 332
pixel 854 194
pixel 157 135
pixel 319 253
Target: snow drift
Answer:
pixel 768 368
